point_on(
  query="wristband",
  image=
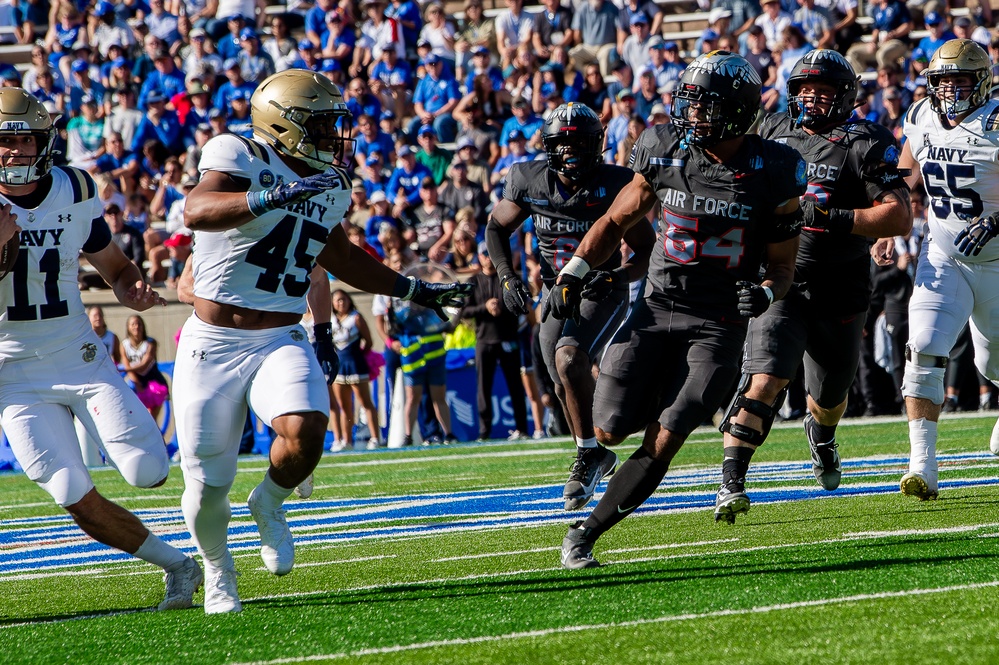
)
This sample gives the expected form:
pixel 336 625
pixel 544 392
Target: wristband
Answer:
pixel 404 288
pixel 770 294
pixel 323 331
pixel 576 267
pixel 257 202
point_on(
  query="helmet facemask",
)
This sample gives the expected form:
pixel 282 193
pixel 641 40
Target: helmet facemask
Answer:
pixel 699 117
pixel 803 108
pixel 573 155
pixel 24 170
pixel 324 137
pixel 953 100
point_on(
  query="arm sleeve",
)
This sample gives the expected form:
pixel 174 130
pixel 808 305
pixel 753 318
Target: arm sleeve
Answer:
pixel 99 238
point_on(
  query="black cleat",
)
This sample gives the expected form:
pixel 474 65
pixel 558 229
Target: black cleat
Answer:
pixel 590 466
pixel 577 550
pixel 729 502
pixel 825 458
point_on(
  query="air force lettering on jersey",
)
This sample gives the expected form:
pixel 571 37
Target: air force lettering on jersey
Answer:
pixel 956 166
pixel 43 285
pixel 264 264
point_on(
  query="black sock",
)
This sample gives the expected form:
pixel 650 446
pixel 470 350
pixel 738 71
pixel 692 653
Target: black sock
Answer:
pixel 821 433
pixel 629 487
pixel 736 465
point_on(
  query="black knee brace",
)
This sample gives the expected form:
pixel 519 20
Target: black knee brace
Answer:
pixel 762 410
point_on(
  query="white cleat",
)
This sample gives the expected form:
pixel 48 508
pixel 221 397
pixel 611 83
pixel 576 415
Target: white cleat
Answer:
pixel 994 442
pixel 181 585
pixel 304 489
pixel 919 486
pixel 221 595
pixel 277 547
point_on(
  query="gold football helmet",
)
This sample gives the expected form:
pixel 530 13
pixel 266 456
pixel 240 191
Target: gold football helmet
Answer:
pixel 302 114
pixel 22 114
pixel 957 57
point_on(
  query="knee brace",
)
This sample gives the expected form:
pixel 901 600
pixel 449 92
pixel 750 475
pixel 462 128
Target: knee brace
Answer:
pixel 766 412
pixel 924 376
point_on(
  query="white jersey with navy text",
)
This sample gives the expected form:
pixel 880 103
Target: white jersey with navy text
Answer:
pixel 265 263
pixel 960 169
pixel 41 308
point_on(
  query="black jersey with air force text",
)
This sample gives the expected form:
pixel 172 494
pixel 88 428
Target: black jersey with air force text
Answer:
pixel 561 221
pixel 716 219
pixel 848 168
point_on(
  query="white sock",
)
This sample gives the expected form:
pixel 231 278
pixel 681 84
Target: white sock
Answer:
pixel 158 553
pixel 923 448
pixel 274 493
pixel 206 512
pixel 586 443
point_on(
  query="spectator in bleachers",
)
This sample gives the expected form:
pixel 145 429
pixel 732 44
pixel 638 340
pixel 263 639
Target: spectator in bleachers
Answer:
pixel 143 65
pixel 192 156
pixel 396 78
pixel 404 185
pixel 890 76
pixel 551 25
pixel 459 193
pixel 666 92
pixel 167 191
pixel 159 123
pixel 647 94
pixel 628 10
pixel 279 45
pixel 84 135
pixel 217 120
pixel 892 112
pixel 165 79
pixel 635 50
pixel 720 20
pixel 439 33
pixel 523 119
pixel 462 259
pixel 432 155
pixel 843 18
pixel 227 44
pixel 432 222
pixel 109 29
pixel 340 41
pixel 238 121
pixel 316 26
pixel 48 93
pixel 82 86
pixel 744 14
pixel 664 61
pixel 514 26
pixel 380 215
pixel 617 128
pixel 435 98
pixel 965 28
pixel 118 163
pixel 126 237
pixel 370 138
pixel 379 32
pixel 360 101
pixel 520 73
pixel 29 15
pixel 62 35
pixel 193 108
pixel 814 24
pixel 407 14
pixel 773 20
pixel 936 25
pixel 39 63
pixel 234 83
pixel 892 24
pixel 308 56
pixel 117 72
pixel 595 34
pixel 255 65
pixel 124 118
pixel 708 41
pixel 478 170
pixel 516 144
pixel 374 174
pixel 137 213
pixel 198 56
pixel 162 23
pixel 475 31
pixel 636 125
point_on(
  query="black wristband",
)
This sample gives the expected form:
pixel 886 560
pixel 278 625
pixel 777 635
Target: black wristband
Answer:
pixel 323 332
pixel 840 220
pixel 402 288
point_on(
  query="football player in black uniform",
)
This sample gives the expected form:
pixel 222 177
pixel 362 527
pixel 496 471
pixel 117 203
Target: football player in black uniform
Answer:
pixel 729 205
pixel 855 192
pixel 565 196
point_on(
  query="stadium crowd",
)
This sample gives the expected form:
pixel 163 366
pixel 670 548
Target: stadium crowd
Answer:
pixel 442 106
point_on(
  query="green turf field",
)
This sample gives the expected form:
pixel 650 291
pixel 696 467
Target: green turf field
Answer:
pixel 450 555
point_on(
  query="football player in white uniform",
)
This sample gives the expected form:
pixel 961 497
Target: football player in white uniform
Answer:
pixel 953 145
pixel 266 211
pixel 52 365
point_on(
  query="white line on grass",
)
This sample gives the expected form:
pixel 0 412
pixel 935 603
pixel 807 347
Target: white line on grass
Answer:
pixel 762 609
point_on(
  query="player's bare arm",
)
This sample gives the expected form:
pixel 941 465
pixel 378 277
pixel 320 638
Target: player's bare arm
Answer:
pixel 125 278
pixel 890 216
pixel 781 256
pixel 217 203
pixel 641 238
pixel 318 297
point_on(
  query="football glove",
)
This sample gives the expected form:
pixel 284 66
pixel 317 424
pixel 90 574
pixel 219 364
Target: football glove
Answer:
pixel 825 220
pixel 564 298
pixel 516 296
pixel 286 193
pixel 977 234
pixel 437 296
pixel 325 350
pixel 753 299
pixel 598 284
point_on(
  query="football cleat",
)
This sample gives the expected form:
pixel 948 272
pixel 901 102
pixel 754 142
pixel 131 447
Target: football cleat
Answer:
pixel 181 585
pixel 729 502
pixel 221 595
pixel 304 489
pixel 994 441
pixel 825 458
pixel 590 466
pixel 919 486
pixel 277 547
pixel 577 550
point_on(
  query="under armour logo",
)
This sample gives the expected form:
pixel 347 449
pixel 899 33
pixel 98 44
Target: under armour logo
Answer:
pixel 68 217
pixel 199 355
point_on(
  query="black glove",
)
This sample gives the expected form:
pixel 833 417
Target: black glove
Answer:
pixel 287 193
pixel 753 299
pixel 326 351
pixel 516 296
pixel 825 220
pixel 598 284
pixel 438 296
pixel 977 234
pixel 563 299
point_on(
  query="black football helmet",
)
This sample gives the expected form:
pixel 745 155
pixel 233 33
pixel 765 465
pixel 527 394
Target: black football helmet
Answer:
pixel 573 137
pixel 822 66
pixel 717 98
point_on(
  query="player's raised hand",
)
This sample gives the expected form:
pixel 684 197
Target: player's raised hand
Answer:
pixel 516 296
pixel 977 234
pixel 141 296
pixel 438 296
pixel 288 193
pixel 564 298
pixel 753 298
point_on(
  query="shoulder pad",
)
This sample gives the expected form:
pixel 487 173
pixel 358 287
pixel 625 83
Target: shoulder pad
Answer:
pixel 916 109
pixel 770 124
pixel 82 183
pixel 990 119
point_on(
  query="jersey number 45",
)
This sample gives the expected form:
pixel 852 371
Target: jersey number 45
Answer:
pixel 271 254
